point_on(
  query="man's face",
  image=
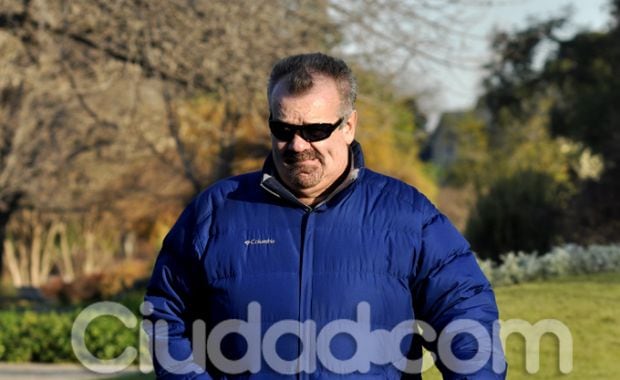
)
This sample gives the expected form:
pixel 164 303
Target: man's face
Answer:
pixel 309 168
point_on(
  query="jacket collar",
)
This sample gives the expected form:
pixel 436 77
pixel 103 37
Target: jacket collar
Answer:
pixel 271 182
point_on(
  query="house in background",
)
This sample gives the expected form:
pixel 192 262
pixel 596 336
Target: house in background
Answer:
pixel 441 147
pixel 458 139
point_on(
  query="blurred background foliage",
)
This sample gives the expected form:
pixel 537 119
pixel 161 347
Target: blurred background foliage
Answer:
pixel 538 157
pixel 113 115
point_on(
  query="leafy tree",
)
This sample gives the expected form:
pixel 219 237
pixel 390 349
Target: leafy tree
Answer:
pixel 553 140
pixel 92 93
pixel 89 95
pixel 579 82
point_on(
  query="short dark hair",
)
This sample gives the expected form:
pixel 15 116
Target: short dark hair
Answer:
pixel 297 71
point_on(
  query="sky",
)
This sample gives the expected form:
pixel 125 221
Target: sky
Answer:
pixel 457 88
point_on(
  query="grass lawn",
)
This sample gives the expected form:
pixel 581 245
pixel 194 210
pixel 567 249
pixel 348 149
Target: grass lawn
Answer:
pixel 588 305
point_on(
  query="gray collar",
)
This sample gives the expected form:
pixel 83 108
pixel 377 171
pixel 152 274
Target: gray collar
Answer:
pixel 272 184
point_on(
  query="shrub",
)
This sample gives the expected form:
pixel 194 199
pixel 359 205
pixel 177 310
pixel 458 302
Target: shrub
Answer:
pixel 28 336
pixel 519 213
pixel 565 260
pixel 107 337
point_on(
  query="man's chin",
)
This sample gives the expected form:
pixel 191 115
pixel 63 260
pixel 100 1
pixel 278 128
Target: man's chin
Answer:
pixel 303 169
pixel 304 180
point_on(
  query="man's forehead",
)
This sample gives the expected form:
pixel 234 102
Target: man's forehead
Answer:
pixel 323 94
pixel 307 108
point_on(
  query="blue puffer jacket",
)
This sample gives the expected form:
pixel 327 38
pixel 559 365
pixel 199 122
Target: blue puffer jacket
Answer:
pixel 377 253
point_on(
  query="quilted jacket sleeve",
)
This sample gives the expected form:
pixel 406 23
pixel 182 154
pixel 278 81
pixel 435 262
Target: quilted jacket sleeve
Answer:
pixel 451 293
pixel 169 299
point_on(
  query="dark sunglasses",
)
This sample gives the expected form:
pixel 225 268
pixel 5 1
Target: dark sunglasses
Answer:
pixel 309 132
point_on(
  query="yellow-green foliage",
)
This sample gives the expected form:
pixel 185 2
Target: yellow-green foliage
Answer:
pixel 528 145
pixel 387 132
pixel 392 150
pixel 487 152
pixel 209 125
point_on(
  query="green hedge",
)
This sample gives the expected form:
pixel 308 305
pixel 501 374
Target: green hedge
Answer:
pixel 26 336
pixel 29 336
pixel 45 337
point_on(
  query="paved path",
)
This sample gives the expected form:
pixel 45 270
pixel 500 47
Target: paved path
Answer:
pixel 36 371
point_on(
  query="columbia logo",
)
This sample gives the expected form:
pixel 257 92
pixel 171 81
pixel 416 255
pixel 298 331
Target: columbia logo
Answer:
pixel 259 241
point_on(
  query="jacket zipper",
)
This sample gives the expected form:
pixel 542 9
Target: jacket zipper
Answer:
pixel 305 286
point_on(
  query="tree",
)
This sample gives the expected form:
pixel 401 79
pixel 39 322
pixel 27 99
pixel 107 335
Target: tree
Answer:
pixel 92 93
pixel 578 80
pixel 89 89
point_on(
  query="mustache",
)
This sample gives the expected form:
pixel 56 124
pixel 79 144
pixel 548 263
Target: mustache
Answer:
pixel 291 157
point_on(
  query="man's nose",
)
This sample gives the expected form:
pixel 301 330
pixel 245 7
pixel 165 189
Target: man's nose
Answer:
pixel 298 144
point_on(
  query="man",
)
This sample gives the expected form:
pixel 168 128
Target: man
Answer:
pixel 316 267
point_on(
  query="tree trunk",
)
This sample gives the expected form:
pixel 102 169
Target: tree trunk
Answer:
pixel 35 254
pixel 23 261
pixel 90 253
pixel 49 252
pixel 3 222
pixel 7 207
pixel 67 271
pixel 12 266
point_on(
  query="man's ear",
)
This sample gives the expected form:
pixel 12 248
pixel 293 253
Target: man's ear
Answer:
pixel 348 130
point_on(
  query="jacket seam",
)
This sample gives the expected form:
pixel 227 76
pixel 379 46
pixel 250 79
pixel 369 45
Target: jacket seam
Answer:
pixel 231 276
pixel 450 258
pixel 245 275
pixel 386 274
